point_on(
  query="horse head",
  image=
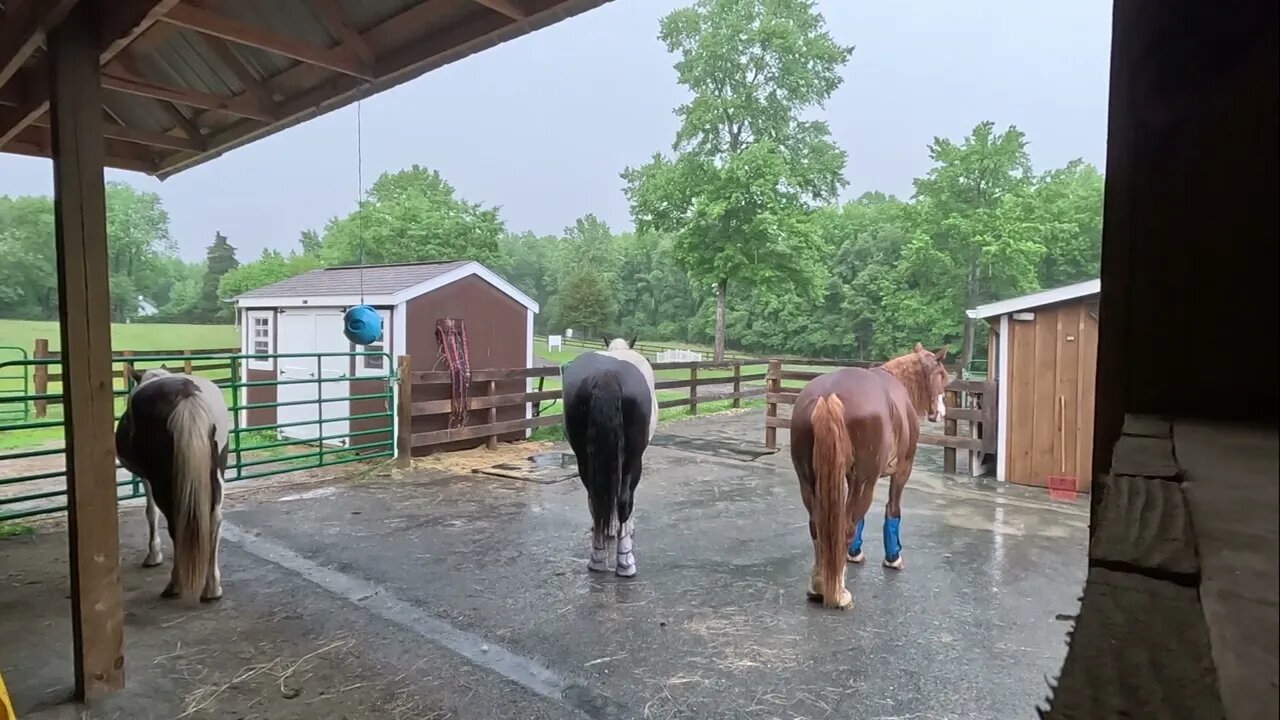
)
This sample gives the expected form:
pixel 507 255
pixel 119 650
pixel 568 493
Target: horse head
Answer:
pixel 147 375
pixel 618 344
pixel 936 378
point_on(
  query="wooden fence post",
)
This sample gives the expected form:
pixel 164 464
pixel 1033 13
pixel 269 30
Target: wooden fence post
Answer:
pixel 773 385
pixel 186 363
pixel 41 376
pixel 949 427
pixel 491 389
pixel 404 413
pixel 737 384
pixel 693 390
pixel 126 368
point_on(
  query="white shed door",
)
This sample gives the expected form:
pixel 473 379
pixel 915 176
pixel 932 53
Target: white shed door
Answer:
pixel 313 331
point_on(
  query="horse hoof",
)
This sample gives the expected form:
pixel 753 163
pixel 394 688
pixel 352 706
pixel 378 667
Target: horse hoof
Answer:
pixel 856 558
pixel 150 562
pixel 169 593
pixel 626 571
pixel 895 564
pixel 208 599
pixel 813 597
pixel 599 567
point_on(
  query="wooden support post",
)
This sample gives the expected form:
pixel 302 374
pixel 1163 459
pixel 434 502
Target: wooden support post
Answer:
pixel 949 428
pixel 404 413
pixel 693 390
pixel 41 377
pixel 84 309
pixel 773 385
pixel 491 389
pixel 126 369
pixel 186 362
pixel 737 385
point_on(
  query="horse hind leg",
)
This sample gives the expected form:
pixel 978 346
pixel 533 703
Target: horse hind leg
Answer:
pixel 893 519
pixel 626 557
pixel 155 555
pixel 213 578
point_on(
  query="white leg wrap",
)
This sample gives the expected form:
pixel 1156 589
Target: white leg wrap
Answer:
pixel 626 566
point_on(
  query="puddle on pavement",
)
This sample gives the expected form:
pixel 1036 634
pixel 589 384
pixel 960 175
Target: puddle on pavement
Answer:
pixel 543 468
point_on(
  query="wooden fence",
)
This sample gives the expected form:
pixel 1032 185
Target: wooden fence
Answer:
pixel 45 375
pixel 486 399
pixel 972 401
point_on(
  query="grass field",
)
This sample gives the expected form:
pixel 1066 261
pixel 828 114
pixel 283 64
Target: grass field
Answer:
pixel 134 336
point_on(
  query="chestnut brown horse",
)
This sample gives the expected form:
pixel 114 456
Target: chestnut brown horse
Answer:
pixel 849 428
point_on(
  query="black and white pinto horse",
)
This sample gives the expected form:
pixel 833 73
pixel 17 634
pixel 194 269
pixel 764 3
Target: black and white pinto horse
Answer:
pixel 610 414
pixel 173 434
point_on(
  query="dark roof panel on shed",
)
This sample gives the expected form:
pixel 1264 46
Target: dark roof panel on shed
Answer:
pixel 354 280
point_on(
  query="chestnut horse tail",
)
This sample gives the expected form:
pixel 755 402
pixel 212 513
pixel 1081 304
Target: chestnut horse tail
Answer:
pixel 832 456
pixel 191 427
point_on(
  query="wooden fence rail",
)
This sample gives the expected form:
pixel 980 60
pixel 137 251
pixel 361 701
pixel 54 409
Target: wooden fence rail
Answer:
pixel 486 399
pixel 44 375
pixel 972 401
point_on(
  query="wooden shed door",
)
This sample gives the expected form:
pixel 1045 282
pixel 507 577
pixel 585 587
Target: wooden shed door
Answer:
pixel 1051 384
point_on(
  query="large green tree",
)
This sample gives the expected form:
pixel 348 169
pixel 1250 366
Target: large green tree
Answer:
pixel 412 216
pixel 220 259
pixel 272 266
pixel 138 242
pixel 749 164
pixel 975 240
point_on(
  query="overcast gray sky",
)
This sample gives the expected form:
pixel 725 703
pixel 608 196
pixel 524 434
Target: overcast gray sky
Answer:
pixel 542 125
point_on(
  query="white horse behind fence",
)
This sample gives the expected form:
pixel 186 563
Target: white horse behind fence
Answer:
pixel 677 355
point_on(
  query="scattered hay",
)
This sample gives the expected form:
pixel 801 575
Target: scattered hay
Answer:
pixel 465 461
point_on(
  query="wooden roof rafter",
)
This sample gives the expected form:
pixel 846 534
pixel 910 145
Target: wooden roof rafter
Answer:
pixel 201 77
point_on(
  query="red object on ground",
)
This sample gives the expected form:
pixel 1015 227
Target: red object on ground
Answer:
pixel 1062 487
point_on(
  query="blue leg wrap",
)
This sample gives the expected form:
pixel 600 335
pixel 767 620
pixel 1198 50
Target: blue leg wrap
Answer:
pixel 855 547
pixel 892 542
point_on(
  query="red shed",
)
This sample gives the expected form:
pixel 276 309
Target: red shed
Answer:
pixel 303 314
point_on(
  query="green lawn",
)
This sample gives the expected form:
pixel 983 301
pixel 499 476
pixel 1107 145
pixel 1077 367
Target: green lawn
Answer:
pixel 133 336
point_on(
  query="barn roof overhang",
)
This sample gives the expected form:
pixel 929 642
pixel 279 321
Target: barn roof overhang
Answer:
pixel 185 81
pixel 1035 300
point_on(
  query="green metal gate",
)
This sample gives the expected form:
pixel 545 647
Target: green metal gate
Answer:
pixel 257 450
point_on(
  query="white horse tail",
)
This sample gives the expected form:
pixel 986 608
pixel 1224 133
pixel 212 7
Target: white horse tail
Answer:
pixel 191 427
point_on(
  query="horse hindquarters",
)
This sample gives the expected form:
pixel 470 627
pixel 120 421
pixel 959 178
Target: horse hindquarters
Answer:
pixel 832 456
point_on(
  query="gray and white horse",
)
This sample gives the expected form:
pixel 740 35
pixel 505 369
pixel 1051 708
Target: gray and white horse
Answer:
pixel 173 435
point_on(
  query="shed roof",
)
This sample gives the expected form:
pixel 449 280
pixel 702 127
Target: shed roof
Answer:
pixel 187 80
pixel 379 284
pixel 1035 300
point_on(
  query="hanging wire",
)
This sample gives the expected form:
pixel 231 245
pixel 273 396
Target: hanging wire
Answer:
pixel 360 193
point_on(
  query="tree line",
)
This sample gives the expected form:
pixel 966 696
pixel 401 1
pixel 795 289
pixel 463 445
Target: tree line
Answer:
pixel 738 239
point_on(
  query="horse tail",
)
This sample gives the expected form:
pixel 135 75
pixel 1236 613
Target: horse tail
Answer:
pixel 191 428
pixel 604 450
pixel 832 455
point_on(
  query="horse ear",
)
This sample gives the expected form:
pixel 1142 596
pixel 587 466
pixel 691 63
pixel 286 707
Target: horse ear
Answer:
pixel 632 344
pixel 137 376
pixel 942 354
pixel 919 348
pixel 604 339
pixel 164 367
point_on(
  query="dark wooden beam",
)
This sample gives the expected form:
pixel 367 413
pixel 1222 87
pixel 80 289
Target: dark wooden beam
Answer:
pixel 26 23
pixel 337 91
pixel 340 25
pixel 506 7
pixel 118 131
pixel 115 30
pixel 84 312
pixel 119 80
pixel 211 23
pixel 35 141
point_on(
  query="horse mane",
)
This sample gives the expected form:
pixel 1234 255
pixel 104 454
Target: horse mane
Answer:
pixel 913 373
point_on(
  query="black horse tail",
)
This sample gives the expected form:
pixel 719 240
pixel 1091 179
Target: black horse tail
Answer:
pixel 604 450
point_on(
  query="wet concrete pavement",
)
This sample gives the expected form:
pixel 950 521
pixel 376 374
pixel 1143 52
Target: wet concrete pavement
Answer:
pixel 472 594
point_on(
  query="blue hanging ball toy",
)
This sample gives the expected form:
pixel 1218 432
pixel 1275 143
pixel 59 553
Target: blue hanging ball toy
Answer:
pixel 362 325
